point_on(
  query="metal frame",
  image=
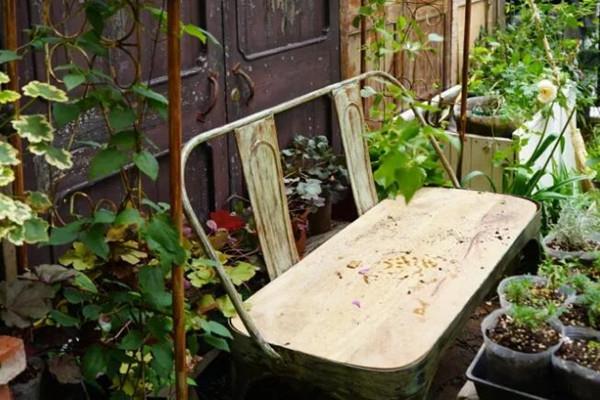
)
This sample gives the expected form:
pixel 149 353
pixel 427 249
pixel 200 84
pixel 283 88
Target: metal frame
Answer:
pixel 193 218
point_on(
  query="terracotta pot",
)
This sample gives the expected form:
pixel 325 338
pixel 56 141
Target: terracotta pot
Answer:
pixel 483 125
pixel 300 230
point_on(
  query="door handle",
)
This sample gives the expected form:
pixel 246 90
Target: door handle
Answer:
pixel 238 71
pixel 214 95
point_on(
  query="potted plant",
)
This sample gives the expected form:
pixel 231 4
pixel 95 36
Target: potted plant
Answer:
pixel 576 365
pixel 486 117
pixel 576 233
pixel 584 311
pixel 26 304
pixel 315 178
pixel 532 291
pixel 519 343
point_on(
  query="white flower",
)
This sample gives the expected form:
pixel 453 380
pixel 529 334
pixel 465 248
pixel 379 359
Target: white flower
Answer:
pixel 546 91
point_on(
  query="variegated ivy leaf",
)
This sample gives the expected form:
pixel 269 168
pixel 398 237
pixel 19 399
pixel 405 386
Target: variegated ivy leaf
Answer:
pixel 59 158
pixel 7 206
pixel 5 228
pixel 8 154
pixel 6 175
pixel 45 91
pixel 4 78
pixel 38 201
pixel 21 213
pixel 34 230
pixel 34 128
pixel 8 96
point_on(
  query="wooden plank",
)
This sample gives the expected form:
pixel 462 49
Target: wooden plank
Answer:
pixel 350 39
pixel 379 296
pixel 352 128
pixel 259 153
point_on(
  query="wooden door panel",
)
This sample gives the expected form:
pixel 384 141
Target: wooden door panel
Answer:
pixel 278 50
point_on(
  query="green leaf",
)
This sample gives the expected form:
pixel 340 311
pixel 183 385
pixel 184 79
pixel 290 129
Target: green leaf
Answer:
pixel 216 342
pixel 46 91
pixel 410 180
pixel 147 163
pixel 35 230
pixel 94 362
pixel 7 175
pixel 163 240
pixel 38 201
pixel 132 341
pixel 80 257
pixel 63 319
pixel 152 285
pixel 162 361
pixel 91 312
pixel 150 94
pixel 241 273
pixel 73 80
pixel 91 42
pixel 34 128
pixel 226 307
pixel 65 234
pixel 83 282
pixel 129 216
pixel 64 113
pixel 121 119
pixel 4 78
pixel 125 140
pixel 103 216
pixel 94 239
pixel 211 327
pixel 8 96
pixel 195 31
pixel 385 174
pixel 8 55
pixel 106 162
pixel 8 154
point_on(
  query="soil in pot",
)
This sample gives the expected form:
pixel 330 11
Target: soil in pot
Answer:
pixel 576 366
pixel 561 251
pixel 576 315
pixel 518 356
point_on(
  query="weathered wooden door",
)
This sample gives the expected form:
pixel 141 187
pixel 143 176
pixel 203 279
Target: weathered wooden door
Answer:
pixel 276 50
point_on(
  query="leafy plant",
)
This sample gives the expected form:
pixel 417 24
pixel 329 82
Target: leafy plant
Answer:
pixel 591 301
pixel 519 290
pixel 555 272
pixel 533 317
pixel 313 173
pixel 578 224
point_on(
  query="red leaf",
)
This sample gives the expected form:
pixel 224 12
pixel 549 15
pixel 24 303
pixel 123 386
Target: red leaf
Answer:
pixel 225 220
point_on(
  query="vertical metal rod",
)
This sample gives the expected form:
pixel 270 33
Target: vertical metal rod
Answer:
pixel 11 43
pixel 175 143
pixel 464 87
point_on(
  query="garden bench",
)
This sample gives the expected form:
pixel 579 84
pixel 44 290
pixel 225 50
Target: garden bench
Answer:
pixel 367 314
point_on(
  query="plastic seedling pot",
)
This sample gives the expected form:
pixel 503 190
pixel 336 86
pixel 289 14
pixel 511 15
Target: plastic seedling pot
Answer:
pixel 568 292
pixel 574 381
pixel 523 371
pixel 489 389
pixel 587 257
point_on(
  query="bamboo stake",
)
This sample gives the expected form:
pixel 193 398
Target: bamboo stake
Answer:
pixel 175 143
pixel 11 43
pixel 462 132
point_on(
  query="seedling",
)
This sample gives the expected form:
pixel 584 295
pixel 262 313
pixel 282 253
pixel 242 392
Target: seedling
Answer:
pixel 579 221
pixel 555 272
pixel 519 290
pixel 533 318
pixel 591 300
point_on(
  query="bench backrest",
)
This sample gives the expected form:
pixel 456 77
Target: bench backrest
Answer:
pixel 261 162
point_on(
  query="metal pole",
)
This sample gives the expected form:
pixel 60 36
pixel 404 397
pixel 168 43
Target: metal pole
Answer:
pixel 11 43
pixel 175 143
pixel 464 87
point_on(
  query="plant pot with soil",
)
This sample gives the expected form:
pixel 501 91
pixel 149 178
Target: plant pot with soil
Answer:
pixel 519 344
pixel 532 291
pixel 576 365
pixel 315 178
pixel 484 117
pixel 583 312
pixel 576 233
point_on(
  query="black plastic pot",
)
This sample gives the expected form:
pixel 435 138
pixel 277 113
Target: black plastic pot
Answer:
pixel 574 381
pixel 515 369
pixel 30 390
pixel 489 389
pixel 320 221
